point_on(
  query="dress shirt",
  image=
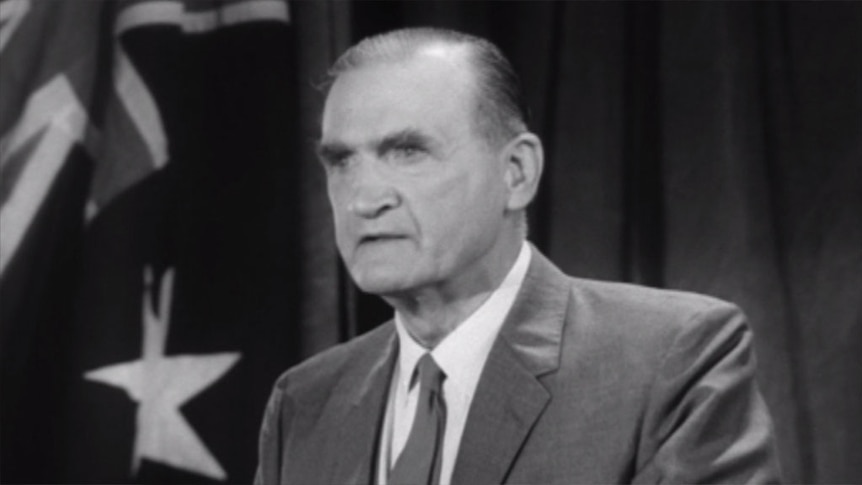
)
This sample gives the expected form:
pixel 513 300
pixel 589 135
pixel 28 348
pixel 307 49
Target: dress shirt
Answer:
pixel 461 355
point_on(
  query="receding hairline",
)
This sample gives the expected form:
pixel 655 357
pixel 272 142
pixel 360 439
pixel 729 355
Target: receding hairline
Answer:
pixel 498 108
pixel 457 55
pixel 402 45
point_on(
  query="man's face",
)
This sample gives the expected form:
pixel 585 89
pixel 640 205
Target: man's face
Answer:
pixel 418 196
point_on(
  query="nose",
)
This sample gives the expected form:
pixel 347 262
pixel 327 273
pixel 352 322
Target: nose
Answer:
pixel 370 204
pixel 372 194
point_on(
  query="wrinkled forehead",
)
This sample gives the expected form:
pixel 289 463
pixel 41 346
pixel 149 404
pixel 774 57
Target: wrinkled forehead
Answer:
pixel 427 88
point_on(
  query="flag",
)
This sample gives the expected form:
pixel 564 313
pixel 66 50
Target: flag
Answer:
pixel 148 209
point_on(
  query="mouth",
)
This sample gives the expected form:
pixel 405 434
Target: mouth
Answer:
pixel 379 238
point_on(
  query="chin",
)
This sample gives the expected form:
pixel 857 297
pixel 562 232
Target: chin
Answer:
pixel 379 287
pixel 381 283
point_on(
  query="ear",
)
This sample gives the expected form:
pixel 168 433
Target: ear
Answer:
pixel 524 159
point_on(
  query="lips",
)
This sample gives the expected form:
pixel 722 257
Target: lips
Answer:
pixel 372 238
pixel 379 238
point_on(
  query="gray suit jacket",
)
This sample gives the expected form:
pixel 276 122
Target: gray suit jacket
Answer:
pixel 588 382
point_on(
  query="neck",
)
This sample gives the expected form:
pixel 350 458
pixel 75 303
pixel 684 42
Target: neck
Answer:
pixel 430 315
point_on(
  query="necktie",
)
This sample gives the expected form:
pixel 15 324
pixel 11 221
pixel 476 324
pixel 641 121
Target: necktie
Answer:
pixel 419 461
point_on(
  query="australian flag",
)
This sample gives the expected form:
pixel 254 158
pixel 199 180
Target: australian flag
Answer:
pixel 148 289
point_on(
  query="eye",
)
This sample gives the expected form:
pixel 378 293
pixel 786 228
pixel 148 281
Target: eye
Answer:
pixel 405 152
pixel 404 148
pixel 335 161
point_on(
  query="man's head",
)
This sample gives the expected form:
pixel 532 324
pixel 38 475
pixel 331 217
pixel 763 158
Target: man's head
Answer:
pixel 429 164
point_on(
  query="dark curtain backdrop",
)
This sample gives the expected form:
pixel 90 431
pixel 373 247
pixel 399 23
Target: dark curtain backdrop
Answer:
pixel 712 147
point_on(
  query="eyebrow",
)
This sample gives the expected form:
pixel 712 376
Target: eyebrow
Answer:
pixel 408 136
pixel 328 151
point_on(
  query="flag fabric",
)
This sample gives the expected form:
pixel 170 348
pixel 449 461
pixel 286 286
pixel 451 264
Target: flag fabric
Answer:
pixel 148 206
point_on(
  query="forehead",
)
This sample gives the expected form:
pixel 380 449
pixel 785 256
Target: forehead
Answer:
pixel 431 91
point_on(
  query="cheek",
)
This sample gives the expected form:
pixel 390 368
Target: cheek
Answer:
pixel 452 210
pixel 475 214
pixel 446 199
pixel 334 189
pixel 337 188
pixel 468 195
pixel 338 208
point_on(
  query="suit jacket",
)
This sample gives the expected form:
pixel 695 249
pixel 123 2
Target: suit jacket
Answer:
pixel 587 382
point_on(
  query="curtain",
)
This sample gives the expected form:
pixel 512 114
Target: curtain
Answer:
pixel 711 147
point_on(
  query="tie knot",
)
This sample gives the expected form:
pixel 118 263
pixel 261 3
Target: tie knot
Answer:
pixel 430 375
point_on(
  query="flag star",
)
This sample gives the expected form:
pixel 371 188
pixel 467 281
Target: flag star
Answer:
pixel 161 385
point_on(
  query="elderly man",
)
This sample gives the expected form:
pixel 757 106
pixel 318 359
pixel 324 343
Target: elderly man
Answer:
pixel 497 367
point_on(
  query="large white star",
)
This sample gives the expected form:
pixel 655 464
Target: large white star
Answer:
pixel 160 385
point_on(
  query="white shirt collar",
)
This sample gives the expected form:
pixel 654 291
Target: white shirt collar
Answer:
pixel 462 353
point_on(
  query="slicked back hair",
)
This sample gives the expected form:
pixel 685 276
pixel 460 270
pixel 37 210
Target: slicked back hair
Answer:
pixel 500 108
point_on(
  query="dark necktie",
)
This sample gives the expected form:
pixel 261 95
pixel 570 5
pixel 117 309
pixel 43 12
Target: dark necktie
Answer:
pixel 419 461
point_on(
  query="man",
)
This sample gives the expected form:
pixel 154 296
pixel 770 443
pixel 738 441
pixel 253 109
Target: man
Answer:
pixel 497 368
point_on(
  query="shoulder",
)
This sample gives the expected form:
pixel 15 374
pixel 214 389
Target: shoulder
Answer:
pixel 621 310
pixel 645 307
pixel 642 326
pixel 315 377
pixel 631 325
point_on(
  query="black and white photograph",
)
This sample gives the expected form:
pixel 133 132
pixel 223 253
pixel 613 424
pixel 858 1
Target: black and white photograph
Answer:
pixel 436 242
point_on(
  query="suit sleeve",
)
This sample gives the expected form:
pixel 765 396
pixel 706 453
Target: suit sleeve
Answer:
pixel 273 433
pixel 706 421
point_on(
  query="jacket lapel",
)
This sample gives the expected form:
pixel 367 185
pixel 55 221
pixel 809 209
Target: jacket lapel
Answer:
pixel 357 443
pixel 509 397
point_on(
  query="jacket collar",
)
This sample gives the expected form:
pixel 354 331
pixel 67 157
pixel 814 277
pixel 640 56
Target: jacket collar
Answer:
pixel 356 448
pixel 510 397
